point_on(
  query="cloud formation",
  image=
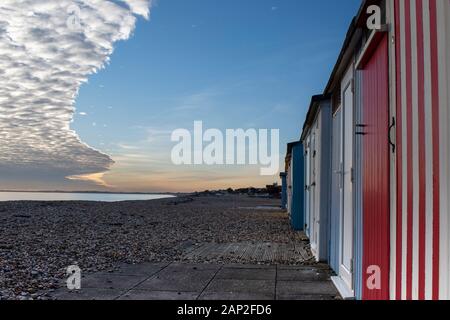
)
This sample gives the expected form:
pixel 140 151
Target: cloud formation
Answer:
pixel 48 48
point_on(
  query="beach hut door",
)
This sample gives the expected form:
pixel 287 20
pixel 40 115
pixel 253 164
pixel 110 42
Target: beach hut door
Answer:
pixel 307 185
pixel 313 207
pixel 376 155
pixel 346 268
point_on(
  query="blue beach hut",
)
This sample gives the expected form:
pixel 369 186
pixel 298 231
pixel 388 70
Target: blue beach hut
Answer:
pixel 295 184
pixel 283 190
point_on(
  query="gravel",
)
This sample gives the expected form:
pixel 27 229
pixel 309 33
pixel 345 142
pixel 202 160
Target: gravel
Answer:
pixel 39 240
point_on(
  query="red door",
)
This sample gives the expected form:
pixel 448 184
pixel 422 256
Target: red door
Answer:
pixel 376 202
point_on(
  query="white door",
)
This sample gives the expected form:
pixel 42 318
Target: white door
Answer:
pixel 312 203
pixel 289 188
pixel 336 187
pixel 307 184
pixel 317 186
pixel 347 230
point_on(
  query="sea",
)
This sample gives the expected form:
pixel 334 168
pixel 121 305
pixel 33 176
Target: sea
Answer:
pixel 63 196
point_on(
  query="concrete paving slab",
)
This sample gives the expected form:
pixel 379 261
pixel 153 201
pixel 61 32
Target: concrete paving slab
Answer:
pixel 302 275
pixel 246 274
pixel 299 288
pixel 190 281
pixel 144 269
pixel 318 266
pixel 87 294
pixel 307 297
pixel 179 279
pixel 110 281
pixel 159 295
pixel 194 266
pixel 239 296
pixel 249 266
pixel 241 286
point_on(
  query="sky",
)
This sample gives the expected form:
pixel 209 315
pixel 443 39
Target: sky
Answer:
pixel 94 108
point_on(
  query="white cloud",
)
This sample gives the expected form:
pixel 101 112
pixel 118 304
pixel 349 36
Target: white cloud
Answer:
pixel 201 100
pixel 127 146
pixel 43 62
pixel 139 6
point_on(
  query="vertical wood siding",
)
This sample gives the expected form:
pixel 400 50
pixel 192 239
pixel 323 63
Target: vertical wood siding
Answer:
pixel 307 209
pixel 376 201
pixel 421 49
pixel 336 181
pixel 325 179
pixel 298 193
pixel 358 162
pixel 289 187
pixel 317 143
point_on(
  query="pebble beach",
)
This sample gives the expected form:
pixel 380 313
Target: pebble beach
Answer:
pixel 39 240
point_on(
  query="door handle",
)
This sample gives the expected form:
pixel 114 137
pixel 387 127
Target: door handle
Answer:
pixel 389 134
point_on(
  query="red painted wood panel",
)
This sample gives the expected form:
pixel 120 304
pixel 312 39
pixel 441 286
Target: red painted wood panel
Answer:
pixel 376 184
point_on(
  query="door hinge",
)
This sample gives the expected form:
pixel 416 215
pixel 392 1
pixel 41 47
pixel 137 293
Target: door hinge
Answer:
pixel 352 266
pixel 352 175
pixel 360 127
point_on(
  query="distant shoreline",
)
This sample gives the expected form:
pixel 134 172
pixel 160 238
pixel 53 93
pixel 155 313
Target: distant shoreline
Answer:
pixel 96 192
pixel 82 196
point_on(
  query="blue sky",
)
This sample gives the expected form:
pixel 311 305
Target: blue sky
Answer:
pixel 232 64
pixel 235 63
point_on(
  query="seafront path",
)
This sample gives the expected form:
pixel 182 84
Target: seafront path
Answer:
pixel 184 281
pixel 271 271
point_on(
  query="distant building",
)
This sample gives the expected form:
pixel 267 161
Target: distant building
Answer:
pixel 274 191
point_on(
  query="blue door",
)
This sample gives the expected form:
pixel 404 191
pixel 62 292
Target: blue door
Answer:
pixel 298 185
